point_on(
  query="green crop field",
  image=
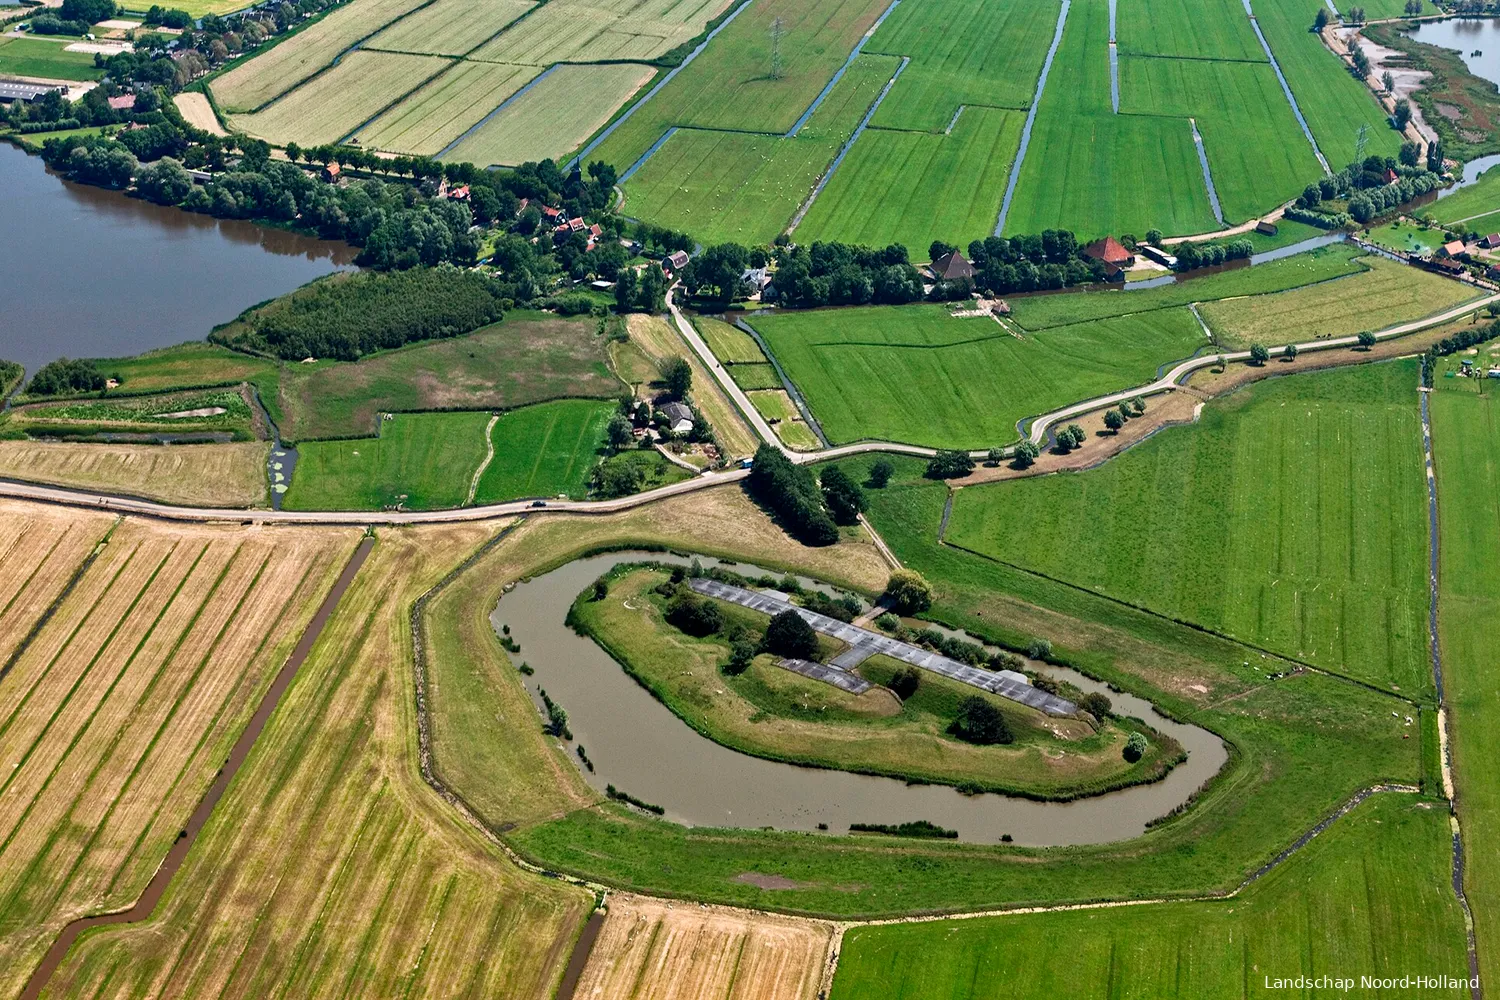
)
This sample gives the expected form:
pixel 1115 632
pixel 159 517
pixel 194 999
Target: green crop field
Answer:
pixel 755 376
pixel 46 59
pixel 432 117
pixel 544 450
pixel 1256 152
pixel 1368 897
pixel 1187 29
pixel 338 102
pixel 554 117
pixel 1291 517
pixel 1038 312
pixel 729 343
pixel 916 374
pixel 292 60
pixel 963 52
pixel 1466 441
pixel 596 30
pixel 420 461
pixel 1385 295
pixel 449 27
pixel 913 187
pixel 744 186
pixel 1095 172
pixel 1333 102
pixel 1466 204
pixel 730 86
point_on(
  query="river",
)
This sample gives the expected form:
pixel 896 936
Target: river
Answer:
pixel 637 744
pixel 91 273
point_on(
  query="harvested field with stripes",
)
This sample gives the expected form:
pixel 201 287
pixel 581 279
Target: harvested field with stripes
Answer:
pixel 432 117
pixel 652 948
pixel 593 30
pixel 118 707
pixel 328 868
pixel 213 475
pixel 280 68
pixel 554 117
pixel 339 101
pixel 449 27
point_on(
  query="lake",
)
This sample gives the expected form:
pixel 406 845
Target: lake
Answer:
pixel 91 273
pixel 1466 35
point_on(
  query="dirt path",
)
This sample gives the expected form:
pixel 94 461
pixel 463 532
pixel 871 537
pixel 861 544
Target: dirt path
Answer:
pixel 489 456
pixel 199 113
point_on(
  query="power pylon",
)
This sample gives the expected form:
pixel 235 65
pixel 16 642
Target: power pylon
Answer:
pixel 777 26
pixel 1361 140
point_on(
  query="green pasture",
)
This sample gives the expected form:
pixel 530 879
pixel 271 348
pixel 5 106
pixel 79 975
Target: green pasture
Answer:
pixel 1407 237
pixel 1187 29
pixel 1466 441
pixel 1256 152
pixel 729 343
pixel 730 86
pixel 1464 205
pixel 544 450
pixel 1037 312
pixel 915 187
pixel 1368 897
pixel 1291 517
pixel 1385 295
pixel 963 52
pixel 195 363
pixel 918 375
pixel 755 376
pixel 46 59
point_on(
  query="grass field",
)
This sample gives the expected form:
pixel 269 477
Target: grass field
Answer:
pixel 1096 172
pixel 420 461
pixel 1333 102
pixel 449 27
pixel 444 109
pixel 221 411
pixel 658 341
pixel 1466 440
pixel 1387 294
pixel 913 187
pixel 554 117
pixel 195 363
pixel 329 869
pixel 773 713
pixel 1407 237
pixel 1038 312
pixel 746 187
pixel 1368 897
pixel 1215 29
pixel 126 700
pixel 963 52
pixel 729 343
pixel 1478 199
pixel 544 450
pixel 1256 151
pixel 916 374
pixel 46 59
pixel 753 376
pixel 291 61
pixel 729 86
pixel 338 102
pixel 1289 517
pixel 582 31
pixel 777 407
pixel 651 948
pixel 211 475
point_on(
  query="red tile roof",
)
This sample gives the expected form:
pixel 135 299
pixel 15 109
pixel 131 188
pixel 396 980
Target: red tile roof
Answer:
pixel 1109 250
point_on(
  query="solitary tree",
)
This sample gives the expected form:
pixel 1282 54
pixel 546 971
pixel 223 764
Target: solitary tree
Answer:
pixel 1366 339
pixel 880 473
pixel 1259 354
pixel 1290 352
pixel 678 375
pixel 907 592
pixel 1039 649
pixel 1026 454
pixel 1113 420
pixel 1223 363
pixel 1096 704
pixel 789 635
pixel 1153 237
pixel 1402 115
pixel 620 432
pixel 980 722
pixel 1135 747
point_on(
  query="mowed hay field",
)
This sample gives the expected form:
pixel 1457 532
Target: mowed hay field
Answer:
pixel 122 704
pixel 1370 896
pixel 449 27
pixel 597 30
pixel 283 66
pixel 1466 443
pixel 912 187
pixel 1385 295
pixel 338 102
pixel 1187 29
pixel 985 53
pixel 443 109
pixel 1291 516
pixel 653 948
pixel 329 869
pixel 213 475
pixel 420 461
pixel 915 374
pixel 554 117
pixel 544 450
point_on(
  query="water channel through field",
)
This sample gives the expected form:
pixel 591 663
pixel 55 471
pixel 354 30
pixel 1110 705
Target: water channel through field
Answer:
pixel 91 273
pixel 638 745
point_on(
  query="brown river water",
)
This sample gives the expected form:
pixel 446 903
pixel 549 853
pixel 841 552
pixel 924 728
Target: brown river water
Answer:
pixel 639 746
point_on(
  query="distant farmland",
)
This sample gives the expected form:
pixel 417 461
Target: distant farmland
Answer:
pixel 433 116
pixel 449 27
pixel 581 31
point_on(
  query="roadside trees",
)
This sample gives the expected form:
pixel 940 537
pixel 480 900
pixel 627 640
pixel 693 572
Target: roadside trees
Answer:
pixel 1026 455
pixel 1290 352
pixel 1366 339
pixel 845 499
pixel 1258 354
pixel 880 473
pixel 1113 420
pixel 996 456
pixel 949 465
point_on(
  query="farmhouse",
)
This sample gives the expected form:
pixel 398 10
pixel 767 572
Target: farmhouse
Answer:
pixel 1110 251
pixel 1491 241
pixel 679 418
pixel 676 261
pixel 125 102
pixel 952 266
pixel 331 172
pixel 1453 248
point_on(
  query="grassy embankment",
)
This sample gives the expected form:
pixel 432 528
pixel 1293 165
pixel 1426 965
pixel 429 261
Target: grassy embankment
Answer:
pixel 122 704
pixel 774 713
pixel 1466 440
pixel 1368 897
pixel 1290 518
pixel 329 869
